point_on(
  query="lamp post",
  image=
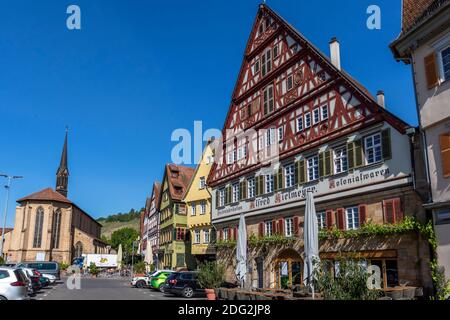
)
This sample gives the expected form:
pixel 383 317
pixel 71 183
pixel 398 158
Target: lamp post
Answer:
pixel 7 187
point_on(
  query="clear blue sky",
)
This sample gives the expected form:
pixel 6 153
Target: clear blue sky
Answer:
pixel 140 69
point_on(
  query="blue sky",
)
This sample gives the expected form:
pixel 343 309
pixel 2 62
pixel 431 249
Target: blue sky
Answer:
pixel 140 69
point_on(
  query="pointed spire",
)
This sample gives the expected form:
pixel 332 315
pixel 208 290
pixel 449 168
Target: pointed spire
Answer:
pixel 62 175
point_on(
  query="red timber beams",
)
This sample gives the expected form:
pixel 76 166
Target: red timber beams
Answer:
pixel 316 81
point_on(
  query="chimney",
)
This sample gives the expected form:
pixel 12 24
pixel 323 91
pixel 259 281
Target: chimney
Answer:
pixel 335 53
pixel 380 98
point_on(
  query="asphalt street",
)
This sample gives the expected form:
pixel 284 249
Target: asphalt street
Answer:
pixel 102 289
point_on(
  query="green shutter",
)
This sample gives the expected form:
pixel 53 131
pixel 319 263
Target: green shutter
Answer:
pixel 328 162
pixel 359 156
pixel 386 143
pixel 275 181
pixel 241 190
pixel 301 172
pixel 261 185
pixel 245 187
pixel 280 179
pixel 296 173
pixel 217 199
pixel 350 155
pixel 258 191
pixel 321 164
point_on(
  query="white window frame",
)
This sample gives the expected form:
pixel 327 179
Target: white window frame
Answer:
pixel 312 168
pixel 266 62
pixel 225 234
pixel 202 207
pixel 202 183
pixel 299 123
pixel 289 227
pixel 257 66
pixel 270 101
pixel 268 183
pixel 277 49
pixel 270 137
pixel 352 218
pixel 289 176
pixel 441 63
pixel 316 116
pixel 340 162
pixel 374 148
pixel 321 219
pixel 280 134
pixel 197 237
pixel 221 197
pixel 206 236
pixel 235 193
pixel 307 122
pixel 324 115
pixel 268 230
pixel 251 188
pixel 193 209
pixel 289 79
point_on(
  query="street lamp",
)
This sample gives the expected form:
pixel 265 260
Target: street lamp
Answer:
pixel 7 187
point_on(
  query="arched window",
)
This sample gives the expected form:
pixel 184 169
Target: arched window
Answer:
pixel 56 228
pixel 78 249
pixel 39 222
pixel 288 269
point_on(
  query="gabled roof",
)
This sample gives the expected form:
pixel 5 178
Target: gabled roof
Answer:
pixel 178 178
pixel 414 11
pixel 6 230
pixel 156 190
pixel 45 195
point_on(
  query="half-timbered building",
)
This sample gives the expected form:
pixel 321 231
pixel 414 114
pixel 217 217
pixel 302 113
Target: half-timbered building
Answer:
pixel 331 137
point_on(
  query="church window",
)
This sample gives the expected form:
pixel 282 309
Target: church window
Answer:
pixel 38 225
pixel 56 229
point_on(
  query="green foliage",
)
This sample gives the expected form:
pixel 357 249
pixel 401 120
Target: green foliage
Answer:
pixel 225 244
pixel 139 267
pixel 93 269
pixel 349 284
pixel 121 217
pixel 441 284
pixel 274 239
pixel 2 261
pixel 105 239
pixel 211 275
pixel 124 236
pixel 152 268
pixel 63 266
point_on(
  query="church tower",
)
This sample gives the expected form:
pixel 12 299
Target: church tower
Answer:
pixel 62 175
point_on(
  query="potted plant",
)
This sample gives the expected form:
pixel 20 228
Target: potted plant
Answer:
pixel 211 276
pixel 94 270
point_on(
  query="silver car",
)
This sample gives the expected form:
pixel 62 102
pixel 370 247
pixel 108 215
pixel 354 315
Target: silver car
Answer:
pixel 13 284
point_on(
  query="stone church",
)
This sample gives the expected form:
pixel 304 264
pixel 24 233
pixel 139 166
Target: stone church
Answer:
pixel 50 227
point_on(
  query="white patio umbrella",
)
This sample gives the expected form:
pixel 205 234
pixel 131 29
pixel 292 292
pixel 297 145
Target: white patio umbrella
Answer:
pixel 241 251
pixel 119 257
pixel 311 241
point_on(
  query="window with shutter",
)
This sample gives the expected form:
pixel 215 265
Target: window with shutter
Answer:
pixel 350 155
pixel 389 211
pixel 340 218
pixel 321 164
pixel 301 172
pixel 296 226
pixel 386 143
pixel 431 70
pixel 362 214
pixel 359 155
pixel 445 154
pixel 281 227
pixel 261 230
pixel 329 214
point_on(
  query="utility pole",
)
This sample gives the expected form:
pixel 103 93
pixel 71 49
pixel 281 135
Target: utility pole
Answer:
pixel 7 187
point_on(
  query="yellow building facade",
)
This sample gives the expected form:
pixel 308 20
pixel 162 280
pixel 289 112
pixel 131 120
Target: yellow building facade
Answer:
pixel 198 207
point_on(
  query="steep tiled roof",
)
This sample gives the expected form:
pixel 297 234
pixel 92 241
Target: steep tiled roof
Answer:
pixel 415 11
pixel 46 195
pixel 178 178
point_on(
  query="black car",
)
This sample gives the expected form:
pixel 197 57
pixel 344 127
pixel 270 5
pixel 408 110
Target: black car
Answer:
pixel 183 284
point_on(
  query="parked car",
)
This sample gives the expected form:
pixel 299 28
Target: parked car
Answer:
pixel 50 277
pixel 43 280
pixel 183 284
pixel 43 267
pixel 158 279
pixel 13 284
pixel 34 284
pixel 141 281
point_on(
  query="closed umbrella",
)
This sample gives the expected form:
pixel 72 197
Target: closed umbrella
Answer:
pixel 311 241
pixel 119 257
pixel 241 251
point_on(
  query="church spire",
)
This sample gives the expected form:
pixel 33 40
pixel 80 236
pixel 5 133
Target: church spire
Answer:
pixel 62 175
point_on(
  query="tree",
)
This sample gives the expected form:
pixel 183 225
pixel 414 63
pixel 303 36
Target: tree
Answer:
pixel 124 236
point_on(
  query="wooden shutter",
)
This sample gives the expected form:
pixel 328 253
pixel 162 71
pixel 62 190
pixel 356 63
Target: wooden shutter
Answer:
pixel 261 229
pixel 386 143
pixel 431 70
pixel 220 234
pixel 257 189
pixel 359 155
pixel 241 190
pixel 217 199
pixel 301 172
pixel 296 173
pixel 296 226
pixel 261 184
pixel 280 179
pixel 362 214
pixel 321 164
pixel 229 194
pixel 388 210
pixel 398 210
pixel 281 227
pixel 328 163
pixel 274 227
pixel 329 216
pixel 340 218
pixel 445 154
pixel 350 155
pixel 235 231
